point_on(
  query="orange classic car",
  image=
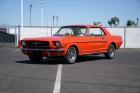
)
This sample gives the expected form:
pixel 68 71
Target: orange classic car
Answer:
pixel 72 41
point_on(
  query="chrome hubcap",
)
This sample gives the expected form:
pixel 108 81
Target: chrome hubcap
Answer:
pixel 72 55
pixel 111 52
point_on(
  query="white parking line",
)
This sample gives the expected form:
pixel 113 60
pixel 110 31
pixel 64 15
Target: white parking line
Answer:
pixel 57 84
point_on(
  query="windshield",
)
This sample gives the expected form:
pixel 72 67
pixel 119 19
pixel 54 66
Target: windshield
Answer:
pixel 71 30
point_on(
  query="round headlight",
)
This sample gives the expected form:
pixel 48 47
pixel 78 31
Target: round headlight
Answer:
pixel 23 43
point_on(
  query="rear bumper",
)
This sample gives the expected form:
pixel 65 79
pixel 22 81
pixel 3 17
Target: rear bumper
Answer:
pixel 44 52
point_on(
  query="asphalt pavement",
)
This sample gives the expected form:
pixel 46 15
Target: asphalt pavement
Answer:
pixel 92 73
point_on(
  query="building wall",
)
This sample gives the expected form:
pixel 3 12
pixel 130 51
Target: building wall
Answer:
pixel 130 36
pixel 27 32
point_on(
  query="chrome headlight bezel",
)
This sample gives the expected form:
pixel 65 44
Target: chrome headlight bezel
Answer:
pixel 57 44
pixel 23 43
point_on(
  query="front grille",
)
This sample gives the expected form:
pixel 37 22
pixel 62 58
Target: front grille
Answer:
pixel 36 44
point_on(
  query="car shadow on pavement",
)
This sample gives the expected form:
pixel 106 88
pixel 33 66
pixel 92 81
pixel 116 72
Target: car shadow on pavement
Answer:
pixel 56 61
pixel 49 61
pixel 90 58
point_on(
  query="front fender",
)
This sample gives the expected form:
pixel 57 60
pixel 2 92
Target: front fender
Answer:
pixel 67 46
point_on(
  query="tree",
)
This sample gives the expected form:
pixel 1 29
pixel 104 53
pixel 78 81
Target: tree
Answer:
pixel 97 23
pixel 131 23
pixel 114 21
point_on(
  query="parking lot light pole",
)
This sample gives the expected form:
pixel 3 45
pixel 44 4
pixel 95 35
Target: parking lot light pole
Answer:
pixel 41 5
pixel 21 7
pixel 30 14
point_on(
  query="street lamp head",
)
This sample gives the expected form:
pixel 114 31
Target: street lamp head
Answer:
pixel 41 2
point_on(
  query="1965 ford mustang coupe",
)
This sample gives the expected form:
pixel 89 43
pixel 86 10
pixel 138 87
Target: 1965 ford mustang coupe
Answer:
pixel 72 41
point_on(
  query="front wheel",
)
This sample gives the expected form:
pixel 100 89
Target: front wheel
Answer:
pixel 71 55
pixel 111 52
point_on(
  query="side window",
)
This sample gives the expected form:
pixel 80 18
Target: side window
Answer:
pixel 96 32
pixel 82 31
pixel 66 31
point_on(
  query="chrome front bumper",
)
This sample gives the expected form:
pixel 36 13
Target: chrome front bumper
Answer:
pixel 49 50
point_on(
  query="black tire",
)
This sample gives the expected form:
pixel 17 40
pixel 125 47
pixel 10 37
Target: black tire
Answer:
pixel 36 58
pixel 111 52
pixel 71 55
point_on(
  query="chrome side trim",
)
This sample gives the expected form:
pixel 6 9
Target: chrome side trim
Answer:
pixel 57 50
pixel 93 53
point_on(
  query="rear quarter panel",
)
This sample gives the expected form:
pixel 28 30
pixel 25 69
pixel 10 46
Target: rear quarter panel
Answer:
pixel 117 40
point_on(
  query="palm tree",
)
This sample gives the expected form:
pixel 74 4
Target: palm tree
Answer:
pixel 110 23
pixel 114 21
pixel 131 23
pixel 97 23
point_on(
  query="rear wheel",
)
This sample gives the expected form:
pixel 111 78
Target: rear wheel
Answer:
pixel 35 58
pixel 71 55
pixel 111 52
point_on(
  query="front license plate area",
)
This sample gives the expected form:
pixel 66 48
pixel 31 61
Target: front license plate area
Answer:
pixel 34 52
pixel 30 52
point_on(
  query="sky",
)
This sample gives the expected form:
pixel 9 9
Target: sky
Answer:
pixel 69 11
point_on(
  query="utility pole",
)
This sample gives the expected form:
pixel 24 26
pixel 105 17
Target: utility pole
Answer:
pixel 53 20
pixel 30 15
pixel 56 20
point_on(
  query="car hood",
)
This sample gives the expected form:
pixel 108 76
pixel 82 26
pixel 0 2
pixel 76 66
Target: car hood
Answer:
pixel 52 38
pixel 62 39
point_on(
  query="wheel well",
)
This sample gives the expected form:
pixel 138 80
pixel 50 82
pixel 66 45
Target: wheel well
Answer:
pixel 113 43
pixel 76 48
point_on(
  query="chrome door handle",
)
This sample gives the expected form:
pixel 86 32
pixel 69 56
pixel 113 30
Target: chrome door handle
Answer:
pixel 103 37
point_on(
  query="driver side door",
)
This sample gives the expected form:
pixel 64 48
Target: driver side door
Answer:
pixel 98 39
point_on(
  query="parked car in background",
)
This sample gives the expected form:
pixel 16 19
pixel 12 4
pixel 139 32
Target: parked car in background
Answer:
pixel 72 41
